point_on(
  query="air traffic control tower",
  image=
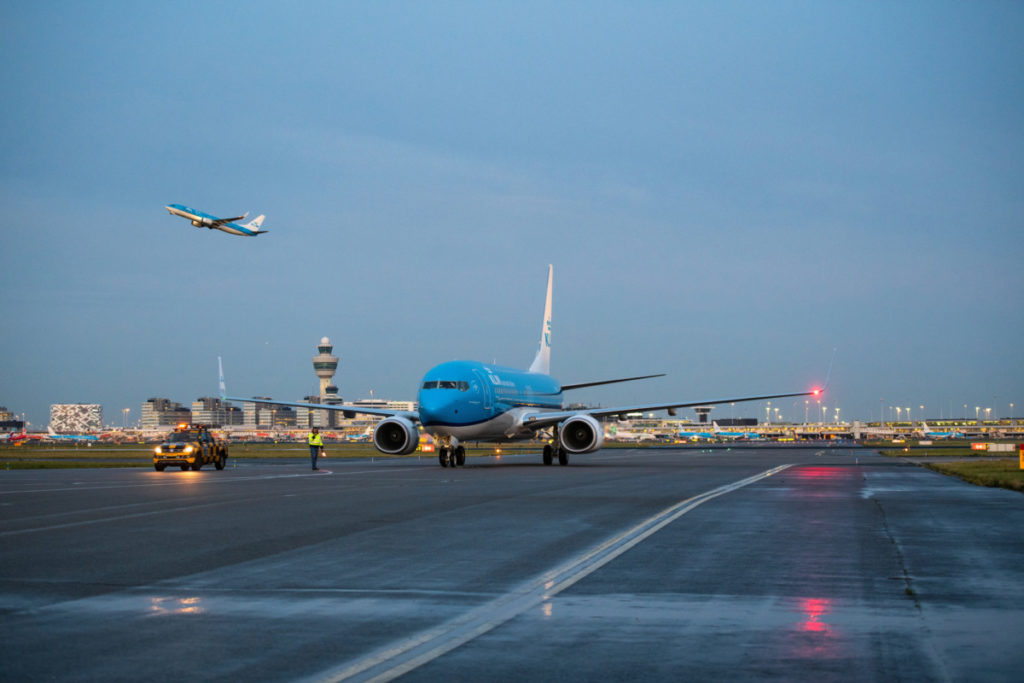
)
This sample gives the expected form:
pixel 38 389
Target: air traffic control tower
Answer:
pixel 325 365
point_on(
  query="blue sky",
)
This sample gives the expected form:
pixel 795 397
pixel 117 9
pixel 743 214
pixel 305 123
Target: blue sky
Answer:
pixel 728 191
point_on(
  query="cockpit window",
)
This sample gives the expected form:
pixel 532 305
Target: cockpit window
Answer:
pixel 446 384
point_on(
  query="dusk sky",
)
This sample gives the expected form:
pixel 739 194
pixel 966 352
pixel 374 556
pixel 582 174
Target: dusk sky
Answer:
pixel 727 191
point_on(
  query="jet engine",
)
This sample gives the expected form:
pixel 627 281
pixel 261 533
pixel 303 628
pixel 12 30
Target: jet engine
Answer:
pixel 581 434
pixel 396 436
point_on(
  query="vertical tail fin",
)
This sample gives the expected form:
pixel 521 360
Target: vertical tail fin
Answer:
pixel 255 223
pixel 542 362
pixel 221 386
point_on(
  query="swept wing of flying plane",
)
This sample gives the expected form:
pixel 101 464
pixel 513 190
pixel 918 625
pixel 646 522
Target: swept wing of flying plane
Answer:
pixel 462 401
pixel 201 219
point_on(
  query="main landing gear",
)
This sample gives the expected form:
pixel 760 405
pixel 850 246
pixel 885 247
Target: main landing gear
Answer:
pixel 550 453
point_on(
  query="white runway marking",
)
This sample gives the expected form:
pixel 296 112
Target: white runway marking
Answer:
pixel 402 656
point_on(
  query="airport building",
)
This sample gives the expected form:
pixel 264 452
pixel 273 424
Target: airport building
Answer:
pixel 162 412
pixel 76 418
pixel 9 421
pixel 213 411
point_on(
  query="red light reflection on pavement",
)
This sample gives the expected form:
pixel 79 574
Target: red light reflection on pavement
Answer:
pixel 814 609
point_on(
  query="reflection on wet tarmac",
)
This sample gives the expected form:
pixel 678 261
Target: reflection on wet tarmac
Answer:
pixel 160 606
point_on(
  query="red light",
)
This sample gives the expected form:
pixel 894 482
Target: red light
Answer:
pixel 816 392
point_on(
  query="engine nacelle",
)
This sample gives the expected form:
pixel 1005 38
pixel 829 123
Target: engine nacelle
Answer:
pixel 581 434
pixel 396 436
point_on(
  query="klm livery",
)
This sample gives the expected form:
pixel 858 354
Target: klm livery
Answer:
pixel 228 225
pixel 463 401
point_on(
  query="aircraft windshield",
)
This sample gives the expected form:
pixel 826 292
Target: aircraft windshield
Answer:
pixel 446 384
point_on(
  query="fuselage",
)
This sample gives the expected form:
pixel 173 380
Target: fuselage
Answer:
pixel 201 219
pixel 474 401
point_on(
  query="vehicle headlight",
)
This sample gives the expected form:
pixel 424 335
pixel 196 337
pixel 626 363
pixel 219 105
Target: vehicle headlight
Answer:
pixel 188 449
pixel 158 450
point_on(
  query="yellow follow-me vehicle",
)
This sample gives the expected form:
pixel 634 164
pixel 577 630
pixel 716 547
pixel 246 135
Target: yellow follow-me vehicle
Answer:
pixel 190 446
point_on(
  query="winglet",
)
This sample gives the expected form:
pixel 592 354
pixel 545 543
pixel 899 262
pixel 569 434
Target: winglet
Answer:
pixel 542 362
pixel 221 386
pixel 828 375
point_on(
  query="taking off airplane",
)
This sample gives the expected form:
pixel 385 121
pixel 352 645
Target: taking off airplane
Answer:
pixel 462 401
pixel 228 225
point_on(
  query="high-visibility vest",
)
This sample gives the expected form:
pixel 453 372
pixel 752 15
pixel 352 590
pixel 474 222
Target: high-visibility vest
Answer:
pixel 316 440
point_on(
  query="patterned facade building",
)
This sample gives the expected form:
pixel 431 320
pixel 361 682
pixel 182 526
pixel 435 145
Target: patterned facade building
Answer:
pixel 76 418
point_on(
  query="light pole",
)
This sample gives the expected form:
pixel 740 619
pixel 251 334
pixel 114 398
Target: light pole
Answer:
pixel 806 404
pixel 124 418
pixel 837 415
pixel 1011 413
pixel 768 413
pixel 976 409
pixel 898 411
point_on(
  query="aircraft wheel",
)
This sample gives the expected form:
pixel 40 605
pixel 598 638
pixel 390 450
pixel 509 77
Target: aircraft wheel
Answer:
pixel 460 456
pixel 563 456
pixel 547 454
pixel 442 456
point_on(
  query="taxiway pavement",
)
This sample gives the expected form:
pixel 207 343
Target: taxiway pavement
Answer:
pixel 646 564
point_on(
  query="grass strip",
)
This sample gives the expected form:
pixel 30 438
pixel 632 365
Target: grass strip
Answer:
pixel 1004 474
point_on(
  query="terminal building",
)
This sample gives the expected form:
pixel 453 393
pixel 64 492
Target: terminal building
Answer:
pixel 163 412
pixel 213 411
pixel 76 418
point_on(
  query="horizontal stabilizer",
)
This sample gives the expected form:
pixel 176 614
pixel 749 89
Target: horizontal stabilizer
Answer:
pixel 567 387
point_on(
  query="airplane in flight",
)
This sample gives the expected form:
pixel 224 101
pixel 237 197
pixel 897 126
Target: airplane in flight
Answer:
pixel 463 401
pixel 228 225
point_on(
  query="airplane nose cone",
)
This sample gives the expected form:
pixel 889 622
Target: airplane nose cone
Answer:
pixel 437 406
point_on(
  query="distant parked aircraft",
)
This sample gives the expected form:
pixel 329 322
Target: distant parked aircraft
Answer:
pixel 729 436
pixel 939 435
pixel 228 225
pixel 54 436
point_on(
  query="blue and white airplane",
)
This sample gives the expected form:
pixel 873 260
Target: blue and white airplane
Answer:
pixel 228 225
pixel 462 401
pixel 927 433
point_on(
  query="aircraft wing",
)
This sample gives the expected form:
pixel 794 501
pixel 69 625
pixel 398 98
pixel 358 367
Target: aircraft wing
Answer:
pixel 347 409
pixel 224 221
pixel 540 420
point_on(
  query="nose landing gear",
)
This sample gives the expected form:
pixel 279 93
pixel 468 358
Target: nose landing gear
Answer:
pixel 451 454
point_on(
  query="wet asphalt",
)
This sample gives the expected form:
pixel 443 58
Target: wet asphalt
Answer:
pixel 652 564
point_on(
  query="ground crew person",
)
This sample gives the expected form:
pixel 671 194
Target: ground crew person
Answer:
pixel 316 445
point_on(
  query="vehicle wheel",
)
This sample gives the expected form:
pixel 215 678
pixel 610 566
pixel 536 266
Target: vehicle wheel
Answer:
pixel 547 454
pixel 460 455
pixel 442 456
pixel 196 465
pixel 563 456
pixel 159 468
pixel 219 463
pixel 184 468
